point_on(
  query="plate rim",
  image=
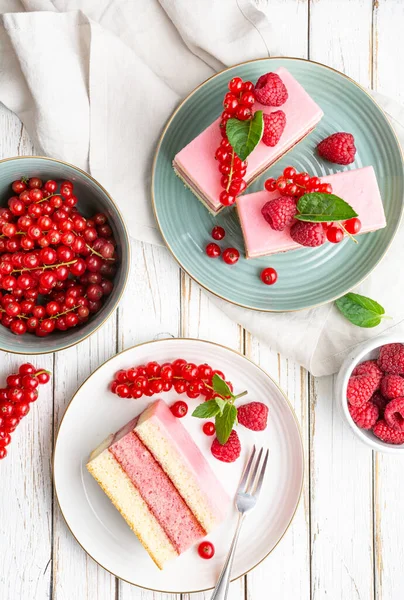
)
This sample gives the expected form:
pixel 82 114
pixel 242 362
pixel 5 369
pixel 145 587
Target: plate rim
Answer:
pixel 157 152
pixel 210 343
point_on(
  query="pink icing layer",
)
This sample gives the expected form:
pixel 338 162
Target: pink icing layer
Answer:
pixel 157 491
pixel 178 436
pixel 357 187
pixel 197 160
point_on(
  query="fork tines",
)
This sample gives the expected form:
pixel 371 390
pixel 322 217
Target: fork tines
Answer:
pixel 253 476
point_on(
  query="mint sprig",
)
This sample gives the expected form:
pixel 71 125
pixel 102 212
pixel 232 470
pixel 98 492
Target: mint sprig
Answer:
pixel 244 136
pixel 361 310
pixel 221 407
pixel 317 207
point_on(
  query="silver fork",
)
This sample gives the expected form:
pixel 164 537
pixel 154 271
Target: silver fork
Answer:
pixel 247 495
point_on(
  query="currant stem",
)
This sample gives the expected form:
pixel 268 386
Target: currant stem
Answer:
pixel 97 253
pixel 231 171
pixel 41 372
pixel 348 234
pixel 65 264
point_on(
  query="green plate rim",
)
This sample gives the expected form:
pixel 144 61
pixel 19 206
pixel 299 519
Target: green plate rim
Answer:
pixel 164 132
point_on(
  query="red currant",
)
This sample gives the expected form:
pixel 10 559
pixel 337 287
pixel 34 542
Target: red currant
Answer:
pixel 226 199
pixel 353 225
pixel 243 113
pixel 236 85
pixel 289 172
pixel 325 188
pixel 179 409
pixel 205 371
pixel 212 250
pixel 270 184
pixel 208 428
pixel 206 550
pixel 177 365
pixel 218 233
pixel 167 372
pixel 189 371
pixel 5 438
pixel 180 386
pixel 269 276
pixel 122 390
pixel 231 256
pixel 281 183
pixel 335 234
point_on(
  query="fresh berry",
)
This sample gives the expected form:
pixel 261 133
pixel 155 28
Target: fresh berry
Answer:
pixel 206 550
pixel 253 415
pixel 338 148
pixel 218 233
pixel 364 416
pixel 379 401
pixel 274 124
pixel 213 250
pixel 228 452
pixel 280 212
pixel 270 90
pixel 231 256
pixel 387 434
pixel 208 428
pixel 335 235
pixel 392 386
pixel 361 388
pixel 353 225
pixel 394 414
pixel 391 359
pixel 289 173
pixel 189 371
pixel 179 409
pixel 307 234
pixel 270 184
pixel 269 276
pixel 369 367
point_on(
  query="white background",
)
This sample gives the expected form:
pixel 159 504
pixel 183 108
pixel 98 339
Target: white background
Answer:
pixel 347 539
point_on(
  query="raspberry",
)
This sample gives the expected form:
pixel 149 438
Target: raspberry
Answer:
pixel 394 414
pixel 369 367
pixel 364 416
pixel 380 402
pixel 362 384
pixel 338 148
pixel 253 415
pixel 392 386
pixel 388 434
pixel 391 359
pixel 274 124
pixel 308 234
pixel 280 212
pixel 228 452
pixel 270 90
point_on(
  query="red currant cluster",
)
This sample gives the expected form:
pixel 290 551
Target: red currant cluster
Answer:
pixel 153 378
pixel 237 103
pixel 292 183
pixel 16 398
pixel 49 250
pixel 335 231
pixel 230 255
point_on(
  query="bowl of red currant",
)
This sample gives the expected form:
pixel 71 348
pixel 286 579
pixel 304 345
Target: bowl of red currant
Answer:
pixel 64 255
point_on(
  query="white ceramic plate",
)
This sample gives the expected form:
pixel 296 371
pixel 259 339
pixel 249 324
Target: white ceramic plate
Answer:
pixel 94 412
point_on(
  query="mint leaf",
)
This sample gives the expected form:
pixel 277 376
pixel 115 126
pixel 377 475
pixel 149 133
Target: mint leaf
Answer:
pixel 245 135
pixel 360 310
pixel 323 208
pixel 206 410
pixel 224 423
pixel 221 403
pixel 221 387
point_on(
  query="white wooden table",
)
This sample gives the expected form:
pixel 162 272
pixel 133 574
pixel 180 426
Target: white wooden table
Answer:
pixel 347 539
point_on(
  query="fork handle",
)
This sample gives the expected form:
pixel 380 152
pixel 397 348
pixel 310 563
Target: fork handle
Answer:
pixel 222 587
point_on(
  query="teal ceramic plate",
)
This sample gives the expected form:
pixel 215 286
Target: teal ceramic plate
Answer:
pixel 306 277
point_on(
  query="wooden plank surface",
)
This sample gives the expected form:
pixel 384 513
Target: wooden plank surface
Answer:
pixel 346 539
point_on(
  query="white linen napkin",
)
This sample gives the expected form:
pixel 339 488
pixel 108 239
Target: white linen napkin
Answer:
pixel 94 83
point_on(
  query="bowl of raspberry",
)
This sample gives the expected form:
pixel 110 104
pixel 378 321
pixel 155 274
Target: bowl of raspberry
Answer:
pixel 64 255
pixel 370 391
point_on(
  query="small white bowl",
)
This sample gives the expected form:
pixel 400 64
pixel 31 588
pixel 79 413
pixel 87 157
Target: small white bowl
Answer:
pixel 366 351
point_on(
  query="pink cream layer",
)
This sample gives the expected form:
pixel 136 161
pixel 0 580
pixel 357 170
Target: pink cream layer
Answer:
pixel 357 187
pixel 157 491
pixel 196 162
pixel 173 430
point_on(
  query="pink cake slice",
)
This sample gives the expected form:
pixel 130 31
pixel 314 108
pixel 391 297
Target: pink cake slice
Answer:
pixel 179 456
pixel 155 475
pixel 357 187
pixel 158 492
pixel 196 164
